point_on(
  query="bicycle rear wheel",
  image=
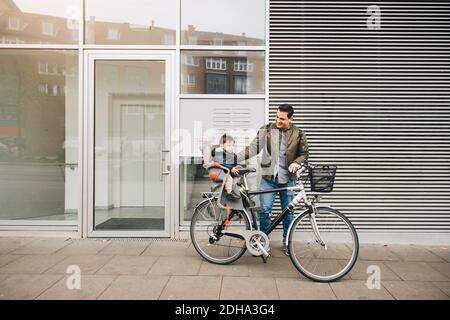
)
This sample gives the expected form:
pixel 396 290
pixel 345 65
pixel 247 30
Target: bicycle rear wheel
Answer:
pixel 328 262
pixel 206 228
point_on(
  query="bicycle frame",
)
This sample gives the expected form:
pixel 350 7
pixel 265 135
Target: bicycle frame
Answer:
pixel 301 196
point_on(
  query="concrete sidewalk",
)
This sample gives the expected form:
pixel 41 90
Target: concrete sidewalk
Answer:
pixel 32 268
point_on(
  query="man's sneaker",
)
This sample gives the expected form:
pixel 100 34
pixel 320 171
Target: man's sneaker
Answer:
pixel 285 249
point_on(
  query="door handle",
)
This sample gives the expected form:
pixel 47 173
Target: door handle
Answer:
pixel 162 161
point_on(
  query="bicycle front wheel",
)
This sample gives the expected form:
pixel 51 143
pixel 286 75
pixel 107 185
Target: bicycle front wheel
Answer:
pixel 207 224
pixel 327 261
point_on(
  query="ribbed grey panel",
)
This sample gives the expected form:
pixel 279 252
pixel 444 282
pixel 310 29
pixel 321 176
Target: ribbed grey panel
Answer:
pixel 374 102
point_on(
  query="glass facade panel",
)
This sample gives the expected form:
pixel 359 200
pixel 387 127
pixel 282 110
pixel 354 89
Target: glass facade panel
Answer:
pixel 223 22
pixel 203 122
pixel 129 141
pixel 39 101
pixel 39 135
pixel 223 72
pixel 39 22
pixel 132 22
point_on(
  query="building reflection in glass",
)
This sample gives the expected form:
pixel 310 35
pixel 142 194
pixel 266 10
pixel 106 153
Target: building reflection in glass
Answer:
pixel 222 72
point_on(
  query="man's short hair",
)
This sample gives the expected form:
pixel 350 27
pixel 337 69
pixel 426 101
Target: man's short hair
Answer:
pixel 226 138
pixel 286 108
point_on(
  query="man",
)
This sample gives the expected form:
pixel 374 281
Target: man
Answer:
pixel 284 148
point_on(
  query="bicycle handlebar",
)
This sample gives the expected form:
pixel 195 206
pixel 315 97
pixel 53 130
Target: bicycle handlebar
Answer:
pixel 217 165
pixel 241 171
pixel 304 166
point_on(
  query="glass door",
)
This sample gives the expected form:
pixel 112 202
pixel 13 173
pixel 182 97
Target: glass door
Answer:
pixel 129 98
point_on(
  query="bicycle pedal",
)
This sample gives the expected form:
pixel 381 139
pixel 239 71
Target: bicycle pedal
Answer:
pixel 264 258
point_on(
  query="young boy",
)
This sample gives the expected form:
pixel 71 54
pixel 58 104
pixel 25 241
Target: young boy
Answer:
pixel 224 154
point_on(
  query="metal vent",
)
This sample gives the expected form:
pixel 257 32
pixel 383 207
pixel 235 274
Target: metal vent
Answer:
pixel 233 119
pixel 373 101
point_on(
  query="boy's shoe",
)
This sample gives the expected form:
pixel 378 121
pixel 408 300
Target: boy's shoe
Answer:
pixel 233 196
pixel 285 248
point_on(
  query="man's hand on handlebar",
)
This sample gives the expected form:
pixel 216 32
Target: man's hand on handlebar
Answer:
pixel 293 167
pixel 235 171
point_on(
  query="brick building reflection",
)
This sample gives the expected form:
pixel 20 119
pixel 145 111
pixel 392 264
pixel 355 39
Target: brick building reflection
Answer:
pixel 38 86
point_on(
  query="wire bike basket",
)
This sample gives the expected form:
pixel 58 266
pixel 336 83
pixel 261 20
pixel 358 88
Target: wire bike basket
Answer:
pixel 322 178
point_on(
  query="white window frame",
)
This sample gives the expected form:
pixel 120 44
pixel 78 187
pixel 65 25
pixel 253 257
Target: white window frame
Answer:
pixel 55 90
pixel 191 80
pixel 191 60
pixel 48 28
pixel 192 40
pixel 168 38
pixel 216 63
pixel 11 23
pixel 42 67
pixel 113 34
pixel 43 88
pixel 218 41
pixel 12 40
pixel 241 66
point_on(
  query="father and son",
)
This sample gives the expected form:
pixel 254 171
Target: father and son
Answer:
pixel 284 148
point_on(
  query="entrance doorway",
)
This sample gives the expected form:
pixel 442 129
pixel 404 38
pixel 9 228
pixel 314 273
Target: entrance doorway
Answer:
pixel 130 103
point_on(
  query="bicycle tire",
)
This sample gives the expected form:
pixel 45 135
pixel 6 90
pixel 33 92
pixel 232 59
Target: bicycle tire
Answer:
pixel 206 218
pixel 323 263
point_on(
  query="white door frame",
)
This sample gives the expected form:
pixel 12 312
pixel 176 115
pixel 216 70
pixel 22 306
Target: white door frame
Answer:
pixel 171 192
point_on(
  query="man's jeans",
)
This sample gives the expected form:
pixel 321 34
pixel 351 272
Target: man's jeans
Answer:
pixel 267 200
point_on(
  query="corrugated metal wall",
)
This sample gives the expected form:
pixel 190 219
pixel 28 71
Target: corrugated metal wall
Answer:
pixel 375 102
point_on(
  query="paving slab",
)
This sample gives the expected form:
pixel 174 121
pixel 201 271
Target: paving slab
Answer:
pixel 441 251
pixel 174 270
pixel 333 251
pixel 358 290
pixel 238 288
pixel 135 288
pixel 127 265
pixel 90 288
pixel 192 288
pixel 444 286
pixel 324 266
pixel 3 277
pixel 276 250
pixel 191 252
pixel 415 253
pixel 31 264
pixel 83 247
pixel 412 290
pixel 43 246
pixel 238 269
pixel 361 268
pixel 8 258
pixel 88 264
pixel 295 289
pixel 176 266
pixel 376 252
pixel 166 248
pixel 10 244
pixel 124 248
pixel 442 267
pixel 415 271
pixel 275 267
pixel 26 287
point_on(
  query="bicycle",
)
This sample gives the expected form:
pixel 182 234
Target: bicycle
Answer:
pixel 322 243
